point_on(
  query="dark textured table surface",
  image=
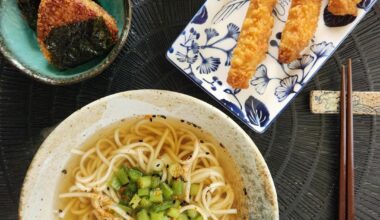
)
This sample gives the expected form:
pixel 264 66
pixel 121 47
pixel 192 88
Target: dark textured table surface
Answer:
pixel 301 149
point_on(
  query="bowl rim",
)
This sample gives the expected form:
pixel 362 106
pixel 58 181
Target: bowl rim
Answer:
pixel 75 78
pixel 45 147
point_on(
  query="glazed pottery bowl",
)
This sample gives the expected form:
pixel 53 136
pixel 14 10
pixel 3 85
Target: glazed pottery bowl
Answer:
pixel 18 44
pixel 41 183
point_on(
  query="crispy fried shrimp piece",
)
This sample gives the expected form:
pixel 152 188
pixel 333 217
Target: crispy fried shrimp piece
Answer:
pixel 343 7
pixel 299 28
pixel 252 44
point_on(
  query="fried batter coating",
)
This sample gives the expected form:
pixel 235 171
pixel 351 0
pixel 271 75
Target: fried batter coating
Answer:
pixel 252 44
pixel 343 7
pixel 299 28
pixel 56 13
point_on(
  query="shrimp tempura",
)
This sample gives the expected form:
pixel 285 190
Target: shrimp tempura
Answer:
pixel 343 7
pixel 299 28
pixel 252 44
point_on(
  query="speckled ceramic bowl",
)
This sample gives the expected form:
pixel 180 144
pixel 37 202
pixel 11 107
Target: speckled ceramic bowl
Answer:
pixel 44 174
pixel 19 45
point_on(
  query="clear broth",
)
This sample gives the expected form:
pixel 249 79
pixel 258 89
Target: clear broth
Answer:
pixel 226 161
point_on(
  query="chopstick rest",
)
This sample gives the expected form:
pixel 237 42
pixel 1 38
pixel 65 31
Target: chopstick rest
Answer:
pixel 327 102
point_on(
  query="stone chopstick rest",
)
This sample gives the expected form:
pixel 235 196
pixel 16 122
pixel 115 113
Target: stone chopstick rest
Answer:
pixel 327 102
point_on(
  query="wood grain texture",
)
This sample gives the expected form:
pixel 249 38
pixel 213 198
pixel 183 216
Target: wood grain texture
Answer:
pixel 301 148
pixel 343 148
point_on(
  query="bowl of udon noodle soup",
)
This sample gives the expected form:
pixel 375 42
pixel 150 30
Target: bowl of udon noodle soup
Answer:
pixel 148 155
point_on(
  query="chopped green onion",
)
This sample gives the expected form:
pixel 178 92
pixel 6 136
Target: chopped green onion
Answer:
pixel 114 183
pixel 182 216
pixel 177 187
pixel 192 213
pixel 166 191
pixel 123 202
pixel 126 209
pixel 127 196
pixel 162 207
pixel 177 204
pixel 135 201
pixel 173 212
pixel 122 176
pixel 143 215
pixel 199 217
pixel 145 203
pixel 157 216
pixel 144 181
pixel 143 192
pixel 131 187
pixel 156 196
pixel 155 181
pixel 194 189
pixel 134 174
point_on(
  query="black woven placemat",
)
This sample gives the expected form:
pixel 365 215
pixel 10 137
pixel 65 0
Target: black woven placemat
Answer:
pixel 301 149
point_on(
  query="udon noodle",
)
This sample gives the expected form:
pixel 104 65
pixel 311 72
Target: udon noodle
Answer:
pixel 151 145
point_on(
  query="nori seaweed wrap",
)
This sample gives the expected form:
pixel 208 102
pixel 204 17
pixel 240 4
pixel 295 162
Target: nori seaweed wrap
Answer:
pixel 76 43
pixel 29 9
pixel 72 32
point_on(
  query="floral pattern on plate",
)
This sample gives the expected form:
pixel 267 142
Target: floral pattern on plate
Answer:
pixel 204 49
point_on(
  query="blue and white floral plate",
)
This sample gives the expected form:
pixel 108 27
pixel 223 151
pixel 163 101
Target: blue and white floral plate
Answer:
pixel 204 49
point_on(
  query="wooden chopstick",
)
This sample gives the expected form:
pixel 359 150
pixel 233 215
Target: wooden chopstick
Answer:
pixel 350 147
pixel 346 170
pixel 342 168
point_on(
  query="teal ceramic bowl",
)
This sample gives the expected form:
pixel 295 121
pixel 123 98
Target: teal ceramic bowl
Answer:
pixel 19 45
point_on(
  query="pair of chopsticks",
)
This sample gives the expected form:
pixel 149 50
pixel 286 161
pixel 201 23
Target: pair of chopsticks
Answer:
pixel 346 174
